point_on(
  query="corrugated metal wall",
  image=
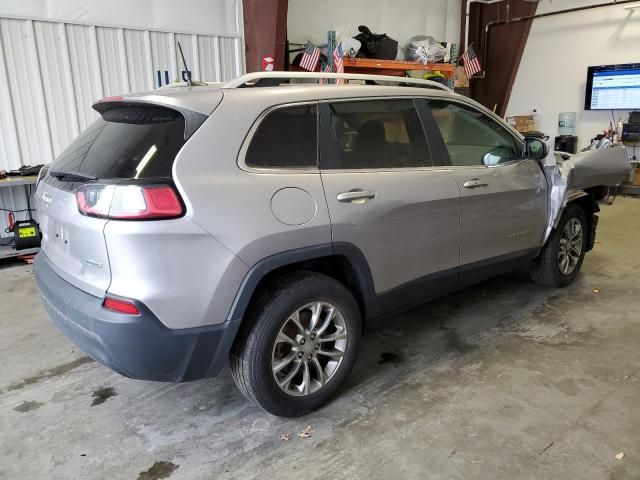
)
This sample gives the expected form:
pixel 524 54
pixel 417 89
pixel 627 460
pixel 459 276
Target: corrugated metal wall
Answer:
pixel 51 73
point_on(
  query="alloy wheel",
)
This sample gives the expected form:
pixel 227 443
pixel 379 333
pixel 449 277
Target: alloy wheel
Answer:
pixel 570 247
pixel 309 348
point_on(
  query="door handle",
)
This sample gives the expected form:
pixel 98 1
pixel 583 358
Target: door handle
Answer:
pixel 475 182
pixel 357 196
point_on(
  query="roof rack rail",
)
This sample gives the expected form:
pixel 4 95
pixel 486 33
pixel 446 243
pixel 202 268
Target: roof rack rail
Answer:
pixel 254 79
pixel 185 84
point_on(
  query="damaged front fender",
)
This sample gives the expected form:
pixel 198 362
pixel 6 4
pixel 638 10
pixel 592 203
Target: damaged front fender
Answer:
pixel 568 174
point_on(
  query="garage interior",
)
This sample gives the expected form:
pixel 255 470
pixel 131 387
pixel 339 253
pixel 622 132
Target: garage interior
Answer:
pixel 503 379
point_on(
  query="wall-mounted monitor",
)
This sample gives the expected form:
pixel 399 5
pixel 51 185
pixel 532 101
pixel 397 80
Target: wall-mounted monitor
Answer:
pixel 613 87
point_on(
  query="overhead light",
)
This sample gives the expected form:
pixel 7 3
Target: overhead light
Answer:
pixel 633 6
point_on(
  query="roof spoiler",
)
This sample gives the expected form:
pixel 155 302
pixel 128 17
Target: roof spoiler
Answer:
pixel 192 119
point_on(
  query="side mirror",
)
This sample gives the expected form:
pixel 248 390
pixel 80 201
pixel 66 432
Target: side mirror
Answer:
pixel 534 148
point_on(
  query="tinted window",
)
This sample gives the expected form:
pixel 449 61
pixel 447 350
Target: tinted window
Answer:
pixel 378 134
pixel 471 137
pixel 127 142
pixel 286 138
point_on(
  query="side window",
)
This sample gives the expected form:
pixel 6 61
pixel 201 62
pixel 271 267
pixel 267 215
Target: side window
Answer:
pixel 378 134
pixel 286 138
pixel 471 137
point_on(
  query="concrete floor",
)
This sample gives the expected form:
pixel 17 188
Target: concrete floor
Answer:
pixel 503 380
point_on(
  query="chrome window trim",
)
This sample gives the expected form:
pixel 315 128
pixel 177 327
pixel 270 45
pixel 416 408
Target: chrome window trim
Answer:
pixel 427 95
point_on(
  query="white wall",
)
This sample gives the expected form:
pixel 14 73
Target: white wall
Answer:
pixel 58 57
pixel 51 73
pixel 553 71
pixel 400 19
pixel 205 17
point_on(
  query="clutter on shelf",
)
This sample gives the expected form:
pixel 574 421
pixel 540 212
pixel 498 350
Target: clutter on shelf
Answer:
pixel 376 45
pixel 422 56
pixel 424 49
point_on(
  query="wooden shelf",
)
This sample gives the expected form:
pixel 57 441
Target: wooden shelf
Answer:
pixel 393 67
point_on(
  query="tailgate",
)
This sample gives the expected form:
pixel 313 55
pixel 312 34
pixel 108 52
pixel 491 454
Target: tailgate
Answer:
pixel 74 244
pixel 132 143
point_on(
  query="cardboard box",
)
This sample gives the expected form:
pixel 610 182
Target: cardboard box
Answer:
pixel 460 79
pixel 522 123
pixel 636 176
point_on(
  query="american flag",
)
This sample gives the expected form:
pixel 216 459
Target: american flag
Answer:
pixel 337 62
pixel 471 62
pixel 326 68
pixel 310 57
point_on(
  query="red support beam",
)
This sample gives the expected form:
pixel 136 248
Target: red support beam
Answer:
pixel 504 50
pixel 265 32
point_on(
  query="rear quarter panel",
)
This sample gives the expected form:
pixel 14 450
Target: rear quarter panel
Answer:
pixel 235 205
pixel 179 271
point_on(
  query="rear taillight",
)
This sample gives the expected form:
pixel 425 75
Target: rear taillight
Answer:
pixel 129 202
pixel 120 306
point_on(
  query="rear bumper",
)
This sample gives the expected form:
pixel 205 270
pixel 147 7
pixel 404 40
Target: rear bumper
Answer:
pixel 135 346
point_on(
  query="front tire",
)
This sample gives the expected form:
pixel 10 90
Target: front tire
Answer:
pixel 299 344
pixel 563 254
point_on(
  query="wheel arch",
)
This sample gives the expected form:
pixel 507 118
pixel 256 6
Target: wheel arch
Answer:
pixel 590 207
pixel 343 262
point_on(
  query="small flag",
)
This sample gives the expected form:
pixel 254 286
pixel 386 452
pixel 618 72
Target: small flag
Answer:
pixel 310 57
pixel 326 68
pixel 471 62
pixel 268 63
pixel 338 63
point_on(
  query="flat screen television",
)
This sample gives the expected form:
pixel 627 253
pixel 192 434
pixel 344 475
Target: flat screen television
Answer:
pixel 613 87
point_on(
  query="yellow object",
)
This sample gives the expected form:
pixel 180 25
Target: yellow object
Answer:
pixel 26 232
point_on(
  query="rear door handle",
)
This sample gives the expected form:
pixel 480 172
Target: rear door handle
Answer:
pixel 355 195
pixel 475 182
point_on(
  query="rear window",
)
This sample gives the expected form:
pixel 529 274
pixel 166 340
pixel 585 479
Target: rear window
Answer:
pixel 127 142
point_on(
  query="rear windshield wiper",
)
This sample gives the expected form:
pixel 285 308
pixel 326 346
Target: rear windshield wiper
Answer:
pixel 82 177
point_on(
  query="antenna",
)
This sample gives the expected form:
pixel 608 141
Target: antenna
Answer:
pixel 184 62
pixel 190 82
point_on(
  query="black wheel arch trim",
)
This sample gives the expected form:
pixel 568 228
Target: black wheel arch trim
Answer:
pixel 353 255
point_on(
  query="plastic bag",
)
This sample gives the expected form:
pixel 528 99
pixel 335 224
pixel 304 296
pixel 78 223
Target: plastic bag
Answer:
pixel 424 49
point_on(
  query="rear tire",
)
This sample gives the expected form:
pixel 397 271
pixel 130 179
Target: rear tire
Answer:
pixel 298 344
pixel 563 254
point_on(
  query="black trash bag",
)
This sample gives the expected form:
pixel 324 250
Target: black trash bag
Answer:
pixel 376 45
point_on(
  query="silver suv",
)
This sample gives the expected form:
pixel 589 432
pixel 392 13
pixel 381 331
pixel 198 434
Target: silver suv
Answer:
pixel 189 227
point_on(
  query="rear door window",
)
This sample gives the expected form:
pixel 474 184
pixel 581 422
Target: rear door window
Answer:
pixel 127 143
pixel 378 134
pixel 285 138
